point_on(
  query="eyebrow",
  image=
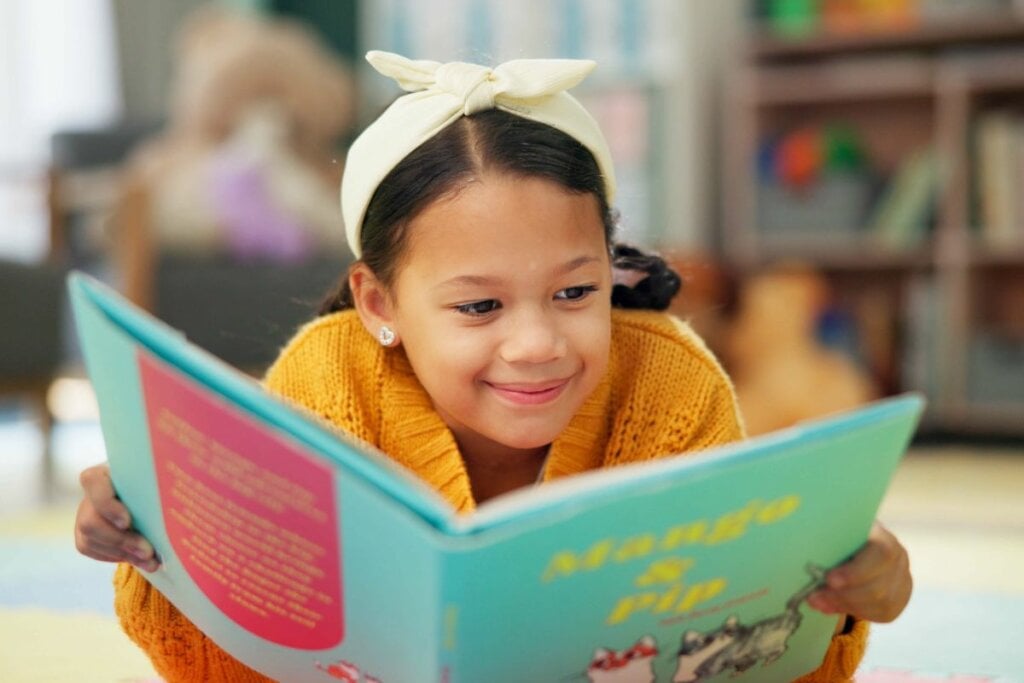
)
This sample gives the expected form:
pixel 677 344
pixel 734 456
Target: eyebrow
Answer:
pixel 482 280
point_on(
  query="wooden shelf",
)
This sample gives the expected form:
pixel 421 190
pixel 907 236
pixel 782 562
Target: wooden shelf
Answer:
pixel 987 28
pixel 854 254
pixel 982 255
pixel 990 72
pixel 824 83
pixel 1003 419
pixel 901 92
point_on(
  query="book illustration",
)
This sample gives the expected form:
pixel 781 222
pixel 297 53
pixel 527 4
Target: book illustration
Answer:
pixel 736 647
pixel 731 647
pixel 632 665
pixel 347 671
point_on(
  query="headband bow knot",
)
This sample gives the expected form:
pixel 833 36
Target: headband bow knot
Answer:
pixel 440 94
pixel 472 84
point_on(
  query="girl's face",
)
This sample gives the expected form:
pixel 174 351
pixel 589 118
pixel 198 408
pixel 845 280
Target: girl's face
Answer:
pixel 502 302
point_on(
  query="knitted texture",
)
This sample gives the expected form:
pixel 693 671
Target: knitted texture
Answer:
pixel 663 393
pixel 843 657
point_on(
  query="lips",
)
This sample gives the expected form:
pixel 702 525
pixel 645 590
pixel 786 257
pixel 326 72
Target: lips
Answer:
pixel 530 394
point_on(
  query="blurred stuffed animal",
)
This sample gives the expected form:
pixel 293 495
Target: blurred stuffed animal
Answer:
pixel 247 163
pixel 782 372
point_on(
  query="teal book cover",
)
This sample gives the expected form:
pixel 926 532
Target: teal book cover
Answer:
pixel 312 557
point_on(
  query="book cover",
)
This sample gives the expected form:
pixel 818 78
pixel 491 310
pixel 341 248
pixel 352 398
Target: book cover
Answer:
pixel 312 557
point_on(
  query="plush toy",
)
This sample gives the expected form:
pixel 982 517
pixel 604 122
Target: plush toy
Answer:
pixel 782 372
pixel 247 165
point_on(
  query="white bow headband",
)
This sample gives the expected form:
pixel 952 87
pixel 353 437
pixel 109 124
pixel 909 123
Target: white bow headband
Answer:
pixel 442 93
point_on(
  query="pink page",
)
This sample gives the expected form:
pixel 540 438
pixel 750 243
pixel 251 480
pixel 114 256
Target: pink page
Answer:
pixel 251 517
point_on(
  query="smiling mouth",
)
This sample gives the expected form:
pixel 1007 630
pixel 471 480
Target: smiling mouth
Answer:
pixel 530 394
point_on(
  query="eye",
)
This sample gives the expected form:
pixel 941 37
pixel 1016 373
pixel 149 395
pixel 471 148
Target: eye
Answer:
pixel 575 293
pixel 479 307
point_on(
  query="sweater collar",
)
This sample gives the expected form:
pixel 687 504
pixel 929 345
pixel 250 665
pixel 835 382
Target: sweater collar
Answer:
pixel 414 434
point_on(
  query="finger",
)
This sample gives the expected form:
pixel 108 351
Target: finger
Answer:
pixel 881 600
pixel 823 602
pixel 149 566
pixel 99 489
pixel 879 557
pixel 93 528
pixel 134 549
pixel 95 534
pixel 878 603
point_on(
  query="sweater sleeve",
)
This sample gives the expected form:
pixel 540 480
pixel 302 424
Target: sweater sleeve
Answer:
pixel 179 651
pixel 842 658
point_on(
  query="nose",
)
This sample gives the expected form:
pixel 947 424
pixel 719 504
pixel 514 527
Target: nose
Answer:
pixel 533 337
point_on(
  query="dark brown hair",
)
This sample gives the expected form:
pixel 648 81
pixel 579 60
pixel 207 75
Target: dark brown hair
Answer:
pixel 493 140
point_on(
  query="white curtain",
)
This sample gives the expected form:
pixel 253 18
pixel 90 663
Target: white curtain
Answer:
pixel 58 70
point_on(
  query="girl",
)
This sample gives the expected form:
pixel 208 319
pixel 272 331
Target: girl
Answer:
pixel 475 341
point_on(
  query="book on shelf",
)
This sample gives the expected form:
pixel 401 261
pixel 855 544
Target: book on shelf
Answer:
pixel 307 554
pixel 923 338
pixel 999 155
pixel 906 207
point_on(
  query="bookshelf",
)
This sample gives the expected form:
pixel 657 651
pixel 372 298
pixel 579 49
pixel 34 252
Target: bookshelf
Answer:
pixel 944 282
pixel 635 94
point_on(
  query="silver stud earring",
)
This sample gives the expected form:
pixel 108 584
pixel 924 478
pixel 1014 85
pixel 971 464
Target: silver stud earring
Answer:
pixel 386 336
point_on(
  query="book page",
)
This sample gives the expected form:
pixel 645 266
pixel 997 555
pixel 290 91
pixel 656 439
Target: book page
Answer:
pixel 252 519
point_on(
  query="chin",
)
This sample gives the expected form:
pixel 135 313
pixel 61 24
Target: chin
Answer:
pixel 530 438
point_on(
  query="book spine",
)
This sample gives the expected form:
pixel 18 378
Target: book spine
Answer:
pixel 449 618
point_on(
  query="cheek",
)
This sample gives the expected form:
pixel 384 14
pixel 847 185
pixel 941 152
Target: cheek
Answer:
pixel 443 360
pixel 593 339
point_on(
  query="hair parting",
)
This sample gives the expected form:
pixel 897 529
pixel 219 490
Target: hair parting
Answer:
pixel 493 140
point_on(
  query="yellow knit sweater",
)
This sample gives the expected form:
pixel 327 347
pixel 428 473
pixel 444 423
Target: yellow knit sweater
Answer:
pixel 663 393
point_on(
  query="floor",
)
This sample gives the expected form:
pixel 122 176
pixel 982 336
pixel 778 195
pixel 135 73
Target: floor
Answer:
pixel 960 513
pixel 958 509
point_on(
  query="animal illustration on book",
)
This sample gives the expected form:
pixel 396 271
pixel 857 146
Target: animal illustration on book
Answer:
pixel 632 665
pixel 736 647
pixel 347 672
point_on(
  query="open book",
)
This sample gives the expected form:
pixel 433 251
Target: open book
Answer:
pixel 310 556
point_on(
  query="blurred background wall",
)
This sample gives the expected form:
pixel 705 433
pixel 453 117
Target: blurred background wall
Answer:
pixel 837 180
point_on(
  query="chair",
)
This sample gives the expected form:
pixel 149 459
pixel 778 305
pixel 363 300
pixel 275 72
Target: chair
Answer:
pixel 31 298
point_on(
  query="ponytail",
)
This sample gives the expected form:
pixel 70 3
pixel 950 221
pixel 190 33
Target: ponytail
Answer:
pixel 657 285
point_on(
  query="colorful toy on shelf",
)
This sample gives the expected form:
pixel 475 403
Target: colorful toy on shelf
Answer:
pixel 864 16
pixel 801 19
pixel 793 18
pixel 799 158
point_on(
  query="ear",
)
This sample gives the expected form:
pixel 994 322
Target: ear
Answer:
pixel 372 301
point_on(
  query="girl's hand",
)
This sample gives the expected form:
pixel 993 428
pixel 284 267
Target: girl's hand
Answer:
pixel 875 585
pixel 103 525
